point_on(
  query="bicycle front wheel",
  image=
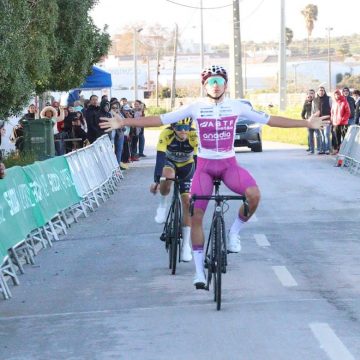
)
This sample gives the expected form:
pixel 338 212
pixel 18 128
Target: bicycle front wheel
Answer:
pixel 175 235
pixel 218 253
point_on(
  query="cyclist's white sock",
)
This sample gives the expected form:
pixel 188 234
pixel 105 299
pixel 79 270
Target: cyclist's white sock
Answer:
pixel 163 200
pixel 186 234
pixel 236 226
pixel 198 253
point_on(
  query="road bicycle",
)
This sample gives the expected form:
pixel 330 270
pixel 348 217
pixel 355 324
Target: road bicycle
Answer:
pixel 216 252
pixel 171 234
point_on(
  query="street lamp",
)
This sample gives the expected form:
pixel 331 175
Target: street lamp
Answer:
pixel 201 44
pixel 328 29
pixel 136 31
pixel 295 76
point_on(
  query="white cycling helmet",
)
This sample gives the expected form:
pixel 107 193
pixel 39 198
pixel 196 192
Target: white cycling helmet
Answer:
pixel 213 70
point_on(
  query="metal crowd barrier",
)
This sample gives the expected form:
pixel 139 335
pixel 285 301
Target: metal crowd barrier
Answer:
pixel 95 174
pixel 349 153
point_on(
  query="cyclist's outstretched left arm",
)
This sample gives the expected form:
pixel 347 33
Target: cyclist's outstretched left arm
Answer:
pixel 314 122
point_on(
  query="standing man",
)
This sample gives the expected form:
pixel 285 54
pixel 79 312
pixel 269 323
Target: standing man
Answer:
pixel 351 102
pixel 356 94
pixel 92 118
pixel 322 104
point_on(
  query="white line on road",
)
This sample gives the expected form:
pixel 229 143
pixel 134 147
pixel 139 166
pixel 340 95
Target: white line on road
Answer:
pixel 261 240
pixel 331 344
pixel 284 276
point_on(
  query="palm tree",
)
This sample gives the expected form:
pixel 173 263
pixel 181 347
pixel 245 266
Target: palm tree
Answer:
pixel 310 14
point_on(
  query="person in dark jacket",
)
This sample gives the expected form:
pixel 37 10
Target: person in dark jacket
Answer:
pixel 322 103
pixel 305 114
pixel 351 102
pixel 356 94
pixel 92 118
pixel 104 111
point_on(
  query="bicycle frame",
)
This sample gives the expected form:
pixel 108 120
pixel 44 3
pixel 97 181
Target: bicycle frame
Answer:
pixel 216 252
pixel 172 229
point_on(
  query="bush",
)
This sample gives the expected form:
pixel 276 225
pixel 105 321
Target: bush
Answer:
pixel 153 110
pixel 13 158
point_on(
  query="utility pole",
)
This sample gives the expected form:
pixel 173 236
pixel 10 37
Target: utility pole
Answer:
pixel 245 68
pixel 201 44
pixel 282 58
pixel 157 77
pixel 173 84
pixel 329 57
pixel 136 31
pixel 236 83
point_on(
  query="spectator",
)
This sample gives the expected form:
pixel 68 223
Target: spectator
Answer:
pixel 104 98
pixel 123 101
pixel 356 94
pixel 2 133
pixel 91 119
pixel 49 112
pixel 77 130
pixel 104 111
pixel 351 102
pixel 139 108
pixel 133 133
pixel 305 114
pixel 322 103
pixel 117 136
pixel 17 134
pixel 126 154
pixel 340 112
pixel 74 95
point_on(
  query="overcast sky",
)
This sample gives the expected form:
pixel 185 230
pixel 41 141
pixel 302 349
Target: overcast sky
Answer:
pixel 259 18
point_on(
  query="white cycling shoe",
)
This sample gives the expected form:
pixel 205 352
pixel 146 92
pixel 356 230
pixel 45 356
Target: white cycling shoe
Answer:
pixel 185 254
pixel 199 280
pixel 160 217
pixel 233 243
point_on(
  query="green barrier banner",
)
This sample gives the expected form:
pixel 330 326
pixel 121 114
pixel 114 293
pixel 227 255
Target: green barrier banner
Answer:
pixel 19 212
pixel 30 196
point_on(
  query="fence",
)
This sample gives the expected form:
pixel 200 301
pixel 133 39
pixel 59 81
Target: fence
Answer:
pixel 349 153
pixel 39 201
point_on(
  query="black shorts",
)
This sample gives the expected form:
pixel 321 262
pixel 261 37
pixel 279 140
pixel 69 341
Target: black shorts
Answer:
pixel 183 173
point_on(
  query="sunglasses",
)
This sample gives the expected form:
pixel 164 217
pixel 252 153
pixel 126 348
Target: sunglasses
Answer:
pixel 114 107
pixel 218 80
pixel 182 127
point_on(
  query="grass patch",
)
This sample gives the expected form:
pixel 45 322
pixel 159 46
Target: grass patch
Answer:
pixel 296 136
pixel 14 159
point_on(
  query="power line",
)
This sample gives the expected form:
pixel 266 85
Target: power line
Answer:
pixel 198 7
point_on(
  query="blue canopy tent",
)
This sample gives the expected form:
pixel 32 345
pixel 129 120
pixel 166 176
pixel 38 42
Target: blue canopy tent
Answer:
pixel 99 79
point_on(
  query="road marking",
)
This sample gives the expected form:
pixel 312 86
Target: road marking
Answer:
pixel 284 276
pixel 329 342
pixel 261 240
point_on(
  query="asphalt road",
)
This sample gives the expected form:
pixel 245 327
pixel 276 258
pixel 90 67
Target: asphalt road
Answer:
pixel 293 293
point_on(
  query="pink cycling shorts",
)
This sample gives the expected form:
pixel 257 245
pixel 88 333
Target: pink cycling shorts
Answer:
pixel 236 178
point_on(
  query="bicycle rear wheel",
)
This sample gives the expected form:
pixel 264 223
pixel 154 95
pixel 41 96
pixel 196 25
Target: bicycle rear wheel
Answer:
pixel 175 235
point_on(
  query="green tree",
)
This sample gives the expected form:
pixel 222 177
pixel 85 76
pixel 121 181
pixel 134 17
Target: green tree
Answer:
pixel 79 44
pixel 310 13
pixel 15 83
pixel 41 42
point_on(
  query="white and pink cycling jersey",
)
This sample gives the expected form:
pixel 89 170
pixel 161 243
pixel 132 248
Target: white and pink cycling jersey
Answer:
pixel 216 124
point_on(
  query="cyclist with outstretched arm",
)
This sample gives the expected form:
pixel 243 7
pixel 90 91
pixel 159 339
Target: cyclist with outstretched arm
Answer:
pixel 215 118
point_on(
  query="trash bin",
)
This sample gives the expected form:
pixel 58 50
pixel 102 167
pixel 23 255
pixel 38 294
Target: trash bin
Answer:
pixel 39 138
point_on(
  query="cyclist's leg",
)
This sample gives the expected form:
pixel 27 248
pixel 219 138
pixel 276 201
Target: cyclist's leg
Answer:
pixel 165 187
pixel 240 181
pixel 185 174
pixel 202 184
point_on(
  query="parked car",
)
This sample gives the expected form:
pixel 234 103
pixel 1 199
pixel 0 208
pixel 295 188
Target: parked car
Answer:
pixel 248 133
